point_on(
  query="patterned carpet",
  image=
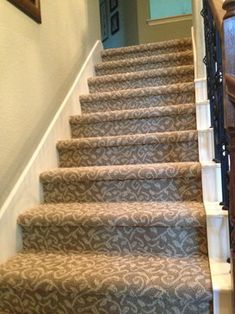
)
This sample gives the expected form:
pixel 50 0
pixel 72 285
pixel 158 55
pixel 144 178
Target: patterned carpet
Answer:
pixel 122 229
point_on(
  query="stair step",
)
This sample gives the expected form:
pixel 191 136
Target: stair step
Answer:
pixel 146 97
pixel 141 79
pixel 151 182
pixel 148 214
pixel 145 63
pixel 129 149
pixel 172 229
pixel 122 228
pixel 146 50
pixel 94 283
pixel 134 121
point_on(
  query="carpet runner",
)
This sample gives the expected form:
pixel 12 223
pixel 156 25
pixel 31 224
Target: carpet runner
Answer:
pixel 122 228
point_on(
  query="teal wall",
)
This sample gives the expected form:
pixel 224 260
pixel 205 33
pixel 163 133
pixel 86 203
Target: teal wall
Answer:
pixel 165 8
pixel 128 24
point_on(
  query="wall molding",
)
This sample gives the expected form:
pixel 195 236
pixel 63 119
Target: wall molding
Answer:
pixel 27 190
pixel 170 19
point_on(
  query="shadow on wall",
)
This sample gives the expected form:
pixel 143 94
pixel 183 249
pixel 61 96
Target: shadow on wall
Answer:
pixel 163 31
pixel 119 25
pixel 124 23
pixel 38 65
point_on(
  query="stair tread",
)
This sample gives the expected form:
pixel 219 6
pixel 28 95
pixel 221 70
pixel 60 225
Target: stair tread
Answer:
pixel 129 140
pixel 149 46
pixel 123 172
pixel 179 70
pixel 144 60
pixel 78 251
pixel 140 113
pixel 103 273
pixel 145 214
pixel 139 92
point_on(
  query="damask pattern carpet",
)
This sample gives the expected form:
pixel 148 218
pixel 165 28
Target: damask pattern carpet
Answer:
pixel 122 229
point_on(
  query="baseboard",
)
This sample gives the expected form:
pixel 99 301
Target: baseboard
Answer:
pixel 203 114
pixel 222 287
pixel 27 191
pixel 211 182
pixel 206 144
pixel 171 19
pixel 217 227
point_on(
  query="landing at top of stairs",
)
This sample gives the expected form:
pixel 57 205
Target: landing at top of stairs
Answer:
pixel 147 49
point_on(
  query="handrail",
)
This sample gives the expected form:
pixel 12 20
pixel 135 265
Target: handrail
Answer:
pixel 230 83
pixel 229 7
pixel 229 105
pixel 218 13
pixel 229 57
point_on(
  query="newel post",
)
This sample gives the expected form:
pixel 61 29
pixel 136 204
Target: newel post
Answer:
pixel 229 107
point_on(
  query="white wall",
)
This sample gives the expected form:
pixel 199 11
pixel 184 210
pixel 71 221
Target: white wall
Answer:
pixel 37 65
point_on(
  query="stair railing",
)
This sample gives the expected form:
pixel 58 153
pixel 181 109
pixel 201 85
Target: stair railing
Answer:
pixel 213 17
pixel 219 22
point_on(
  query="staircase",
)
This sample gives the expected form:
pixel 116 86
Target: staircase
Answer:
pixel 122 228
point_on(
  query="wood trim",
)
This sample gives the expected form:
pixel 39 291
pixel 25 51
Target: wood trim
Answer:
pixel 230 84
pixel 229 6
pixel 231 136
pixel 218 13
pixel 228 37
pixel 229 67
pixel 171 19
pixel 29 8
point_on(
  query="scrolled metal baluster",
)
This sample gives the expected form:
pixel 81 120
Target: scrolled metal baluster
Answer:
pixel 213 62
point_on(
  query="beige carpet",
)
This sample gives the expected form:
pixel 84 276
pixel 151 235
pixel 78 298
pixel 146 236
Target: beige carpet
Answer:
pixel 122 229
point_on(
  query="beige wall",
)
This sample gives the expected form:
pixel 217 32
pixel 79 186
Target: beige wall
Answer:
pixel 37 65
pixel 131 22
pixel 160 32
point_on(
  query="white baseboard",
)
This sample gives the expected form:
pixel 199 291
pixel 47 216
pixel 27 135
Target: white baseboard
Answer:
pixel 206 144
pixel 222 287
pixel 203 115
pixel 200 89
pixel 211 182
pixel 217 229
pixel 27 191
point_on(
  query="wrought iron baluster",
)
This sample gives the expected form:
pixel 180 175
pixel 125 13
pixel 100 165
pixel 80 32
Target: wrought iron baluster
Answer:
pixel 213 61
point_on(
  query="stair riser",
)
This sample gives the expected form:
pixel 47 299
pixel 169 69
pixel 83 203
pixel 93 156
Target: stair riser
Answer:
pixel 142 240
pixel 185 60
pixel 146 53
pixel 55 301
pixel 136 102
pixel 110 85
pixel 173 189
pixel 135 126
pixel 121 155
